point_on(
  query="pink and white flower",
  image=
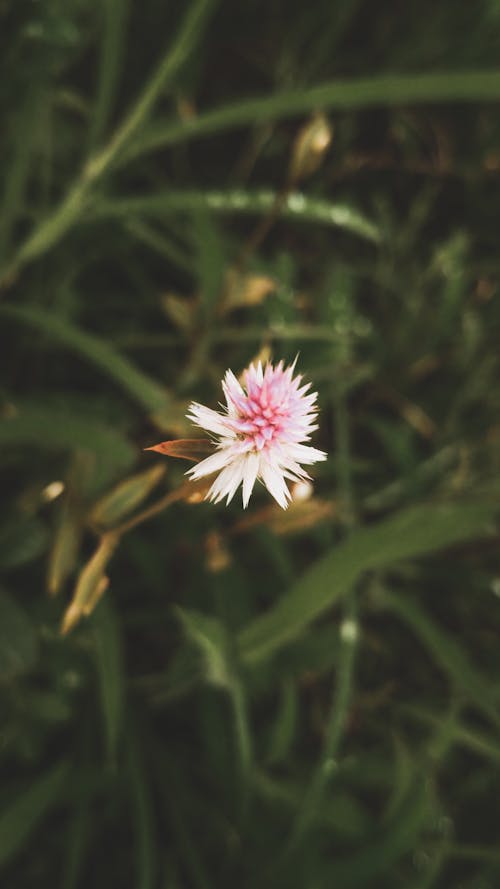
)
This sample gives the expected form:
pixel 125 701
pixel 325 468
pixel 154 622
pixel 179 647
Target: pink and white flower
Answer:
pixel 259 434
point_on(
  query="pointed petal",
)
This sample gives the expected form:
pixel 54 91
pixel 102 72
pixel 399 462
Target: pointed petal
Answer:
pixel 239 472
pixel 209 419
pixel 305 454
pixel 275 483
pixel 226 483
pixel 232 391
pixel 210 464
pixel 252 463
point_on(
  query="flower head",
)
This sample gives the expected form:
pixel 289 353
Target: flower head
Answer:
pixel 260 433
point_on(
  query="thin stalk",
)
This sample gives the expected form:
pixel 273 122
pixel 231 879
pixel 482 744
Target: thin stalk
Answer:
pixel 181 493
pixel 167 68
pixel 338 718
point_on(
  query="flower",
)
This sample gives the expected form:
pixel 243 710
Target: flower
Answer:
pixel 260 433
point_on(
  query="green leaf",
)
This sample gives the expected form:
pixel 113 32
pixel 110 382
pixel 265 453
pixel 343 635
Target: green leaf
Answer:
pixel 18 641
pixel 212 639
pixel 158 240
pixel 143 816
pixel 461 733
pixel 211 262
pixel 92 348
pixel 65 546
pixel 313 654
pixel 400 835
pixel 73 205
pixel 22 540
pixel 23 137
pixel 238 201
pixel 114 15
pixel 125 497
pixel 385 90
pixel 108 651
pixel 54 428
pixel 340 812
pixel 448 653
pixel 210 636
pixel 405 535
pixel 284 726
pixel 21 816
pixel 76 845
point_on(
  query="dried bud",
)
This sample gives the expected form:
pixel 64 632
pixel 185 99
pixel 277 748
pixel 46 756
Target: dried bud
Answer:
pixel 242 291
pixel 91 583
pixel 310 147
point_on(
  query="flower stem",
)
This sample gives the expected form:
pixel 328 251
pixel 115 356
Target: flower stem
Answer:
pixel 338 718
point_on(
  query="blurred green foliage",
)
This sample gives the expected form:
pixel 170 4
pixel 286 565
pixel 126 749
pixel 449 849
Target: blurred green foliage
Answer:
pixel 192 697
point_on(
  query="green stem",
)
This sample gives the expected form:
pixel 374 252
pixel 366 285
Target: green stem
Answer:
pixel 241 728
pixel 336 724
pixel 168 67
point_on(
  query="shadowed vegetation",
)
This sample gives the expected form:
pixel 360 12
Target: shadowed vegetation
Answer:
pixel 193 696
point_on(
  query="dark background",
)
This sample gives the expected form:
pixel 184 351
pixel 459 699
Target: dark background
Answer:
pixel 190 695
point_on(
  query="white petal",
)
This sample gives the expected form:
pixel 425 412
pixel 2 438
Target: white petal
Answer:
pixel 275 483
pixel 295 472
pixel 208 419
pixel 210 464
pixel 232 390
pixel 226 483
pixel 304 453
pixel 239 473
pixel 251 469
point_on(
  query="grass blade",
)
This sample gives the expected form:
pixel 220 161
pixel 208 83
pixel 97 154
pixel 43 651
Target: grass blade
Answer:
pixel 406 535
pixel 19 819
pixel 400 836
pixel 143 817
pixel 63 217
pixel 46 427
pixel 296 205
pixel 108 651
pixel 146 391
pixel 386 90
pixel 114 13
pixel 18 640
pixel 448 653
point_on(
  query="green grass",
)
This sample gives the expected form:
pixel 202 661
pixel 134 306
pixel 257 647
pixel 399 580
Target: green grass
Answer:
pixel 214 698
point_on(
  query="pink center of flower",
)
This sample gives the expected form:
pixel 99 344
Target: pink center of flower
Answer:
pixel 262 414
